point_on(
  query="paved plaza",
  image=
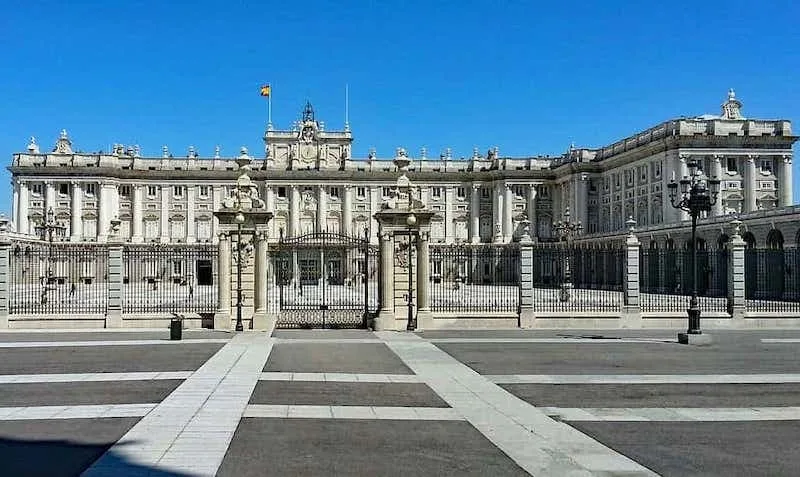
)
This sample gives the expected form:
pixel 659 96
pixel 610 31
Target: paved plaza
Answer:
pixel 336 402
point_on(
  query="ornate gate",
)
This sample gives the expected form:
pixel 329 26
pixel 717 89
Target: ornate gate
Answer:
pixel 326 280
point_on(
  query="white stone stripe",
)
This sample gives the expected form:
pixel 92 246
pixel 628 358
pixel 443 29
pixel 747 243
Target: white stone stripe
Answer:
pixel 643 378
pixel 539 444
pixel 341 377
pixel 324 340
pixel 780 340
pixel 60 344
pixel 87 377
pixel 189 431
pixel 675 414
pixel 565 340
pixel 74 412
pixel 353 412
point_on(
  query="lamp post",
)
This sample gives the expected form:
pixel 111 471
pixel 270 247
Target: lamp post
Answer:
pixel 697 195
pixel 411 221
pixel 47 229
pixel 239 219
pixel 566 231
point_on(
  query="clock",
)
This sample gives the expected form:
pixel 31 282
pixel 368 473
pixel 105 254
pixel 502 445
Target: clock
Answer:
pixel 308 152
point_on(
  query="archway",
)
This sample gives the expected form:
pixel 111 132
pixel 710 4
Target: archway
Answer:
pixel 774 265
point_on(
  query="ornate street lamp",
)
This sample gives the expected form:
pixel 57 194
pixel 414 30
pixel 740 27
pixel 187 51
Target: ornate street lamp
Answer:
pixel 47 229
pixel 239 219
pixel 697 194
pixel 566 231
pixel 411 221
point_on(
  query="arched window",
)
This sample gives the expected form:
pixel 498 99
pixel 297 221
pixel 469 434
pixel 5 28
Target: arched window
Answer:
pixel 749 239
pixel 722 241
pixel 775 240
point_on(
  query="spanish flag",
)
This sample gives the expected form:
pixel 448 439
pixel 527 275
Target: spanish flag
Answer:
pixel 265 90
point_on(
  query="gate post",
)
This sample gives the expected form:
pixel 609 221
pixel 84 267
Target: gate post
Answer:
pixel 114 284
pixel 261 320
pixel 222 318
pixel 385 320
pixel 631 310
pixel 5 279
pixel 424 315
pixel 736 276
pixel 527 317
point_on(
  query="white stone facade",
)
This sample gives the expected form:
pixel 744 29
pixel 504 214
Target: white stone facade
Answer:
pixel 311 183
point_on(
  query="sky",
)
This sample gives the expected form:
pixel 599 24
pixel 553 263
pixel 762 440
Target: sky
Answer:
pixel 528 78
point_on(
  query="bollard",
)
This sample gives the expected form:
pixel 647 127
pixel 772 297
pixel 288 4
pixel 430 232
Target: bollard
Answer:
pixel 176 328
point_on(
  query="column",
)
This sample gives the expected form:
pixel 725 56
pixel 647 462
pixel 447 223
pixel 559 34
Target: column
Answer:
pixel 497 214
pixel 582 201
pixel 269 203
pixel 373 209
pixel 49 196
pixel 386 271
pixel 15 204
pixel 631 312
pixel 322 208
pixel 424 316
pixel 136 226
pixel 785 184
pixel 75 232
pixel 222 318
pixel 750 184
pixel 508 213
pixel 475 213
pixel 190 225
pixel 526 312
pixel 347 210
pixel 683 171
pixel 216 203
pixel 716 173
pixel 449 226
pixel 103 214
pixel 294 211
pixel 736 276
pixel 531 209
pixel 260 309
pixel 24 197
pixel 164 214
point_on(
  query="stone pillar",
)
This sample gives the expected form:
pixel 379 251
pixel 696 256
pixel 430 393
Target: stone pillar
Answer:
pixel 347 210
pixel 260 317
pixel 5 280
pixel 75 232
pixel 424 316
pixel 24 197
pixel 716 173
pixel 531 209
pixel 497 214
pixel 449 225
pixel 475 214
pixel 749 184
pixel 322 208
pixel 49 196
pixel 527 316
pixel 631 310
pixel 683 172
pixel 164 214
pixel 222 318
pixel 136 226
pixel 294 211
pixel 114 283
pixel 508 213
pixel 385 320
pixel 785 184
pixel 736 277
pixel 191 227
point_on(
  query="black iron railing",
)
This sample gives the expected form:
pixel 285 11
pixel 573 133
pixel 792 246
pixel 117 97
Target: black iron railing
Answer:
pixel 771 280
pixel 665 279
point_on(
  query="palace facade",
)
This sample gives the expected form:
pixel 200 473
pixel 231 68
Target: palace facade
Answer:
pixel 310 181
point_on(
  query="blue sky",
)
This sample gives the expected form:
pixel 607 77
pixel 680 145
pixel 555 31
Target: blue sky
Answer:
pixel 461 74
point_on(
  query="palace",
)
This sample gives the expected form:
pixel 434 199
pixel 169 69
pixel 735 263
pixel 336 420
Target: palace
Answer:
pixel 310 182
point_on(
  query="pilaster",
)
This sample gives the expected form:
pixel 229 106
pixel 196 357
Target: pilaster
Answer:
pixel 683 168
pixel 508 213
pixel 785 185
pixel 191 227
pixel 347 210
pixel 294 211
pixel 322 208
pixel 716 172
pixel 449 225
pixel 49 195
pixel 531 210
pixel 75 232
pixel 136 226
pixel 164 214
pixel 475 213
pixel 24 198
pixel 750 184
pixel 497 214
pixel 114 283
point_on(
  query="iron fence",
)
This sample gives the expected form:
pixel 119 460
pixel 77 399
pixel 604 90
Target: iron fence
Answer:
pixel 57 278
pixel 169 278
pixel 474 278
pixel 771 280
pixel 583 279
pixel 666 279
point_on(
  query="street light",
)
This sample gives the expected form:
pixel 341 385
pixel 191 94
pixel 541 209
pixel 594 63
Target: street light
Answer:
pixel 47 229
pixel 697 194
pixel 566 231
pixel 239 219
pixel 411 221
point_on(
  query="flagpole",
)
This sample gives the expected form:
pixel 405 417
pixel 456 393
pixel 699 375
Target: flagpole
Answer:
pixel 346 107
pixel 269 109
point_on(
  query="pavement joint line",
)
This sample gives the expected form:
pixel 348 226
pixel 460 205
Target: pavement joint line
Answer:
pixel 536 442
pixel 95 330
pixel 212 399
pixel 643 378
pixel 351 412
pixel 62 344
pixel 324 340
pixel 339 377
pixel 675 414
pixel 780 340
pixel 565 340
pixel 92 377
pixel 89 411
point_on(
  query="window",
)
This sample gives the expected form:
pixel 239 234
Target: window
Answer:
pixel 334 192
pixel 125 191
pixel 616 180
pixel 386 191
pixel 281 192
pixel 519 191
pixel 766 166
pixel 484 193
pixel 436 192
pixel 152 191
pixel 177 267
pixel 177 191
pixel 63 189
pixel 203 192
pixel 361 192
pixel 36 189
pixel 544 191
pixel 730 165
pixel 90 189
pixel 629 177
pixel 461 192
pixel 731 185
pixel 765 185
pixel 657 170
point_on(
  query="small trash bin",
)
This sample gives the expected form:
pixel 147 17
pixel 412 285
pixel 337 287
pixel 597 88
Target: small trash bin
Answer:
pixel 175 329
